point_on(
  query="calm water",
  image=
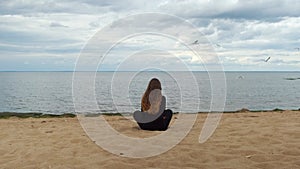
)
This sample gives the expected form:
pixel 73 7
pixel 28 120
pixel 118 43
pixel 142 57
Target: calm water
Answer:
pixel 51 92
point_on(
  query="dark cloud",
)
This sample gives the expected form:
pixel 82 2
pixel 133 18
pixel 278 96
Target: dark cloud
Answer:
pixel 238 9
pixel 261 10
pixel 56 24
pixel 13 7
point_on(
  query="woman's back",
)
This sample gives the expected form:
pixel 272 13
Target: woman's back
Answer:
pixel 153 115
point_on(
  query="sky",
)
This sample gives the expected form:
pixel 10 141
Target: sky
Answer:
pixel 49 35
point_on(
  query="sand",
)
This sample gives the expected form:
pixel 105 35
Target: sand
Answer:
pixel 242 140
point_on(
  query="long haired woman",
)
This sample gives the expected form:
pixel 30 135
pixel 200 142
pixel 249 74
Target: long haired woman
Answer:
pixel 153 115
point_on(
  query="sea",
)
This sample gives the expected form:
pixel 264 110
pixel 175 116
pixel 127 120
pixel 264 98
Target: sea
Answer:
pixel 53 92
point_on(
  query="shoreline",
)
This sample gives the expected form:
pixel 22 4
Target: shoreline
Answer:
pixel 5 115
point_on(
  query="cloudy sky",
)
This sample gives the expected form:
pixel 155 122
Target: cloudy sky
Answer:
pixel 48 35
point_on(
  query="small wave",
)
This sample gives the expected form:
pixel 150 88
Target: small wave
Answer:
pixel 292 78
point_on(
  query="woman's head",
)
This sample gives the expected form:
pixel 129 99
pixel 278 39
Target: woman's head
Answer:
pixel 153 84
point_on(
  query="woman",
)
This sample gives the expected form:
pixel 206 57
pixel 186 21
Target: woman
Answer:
pixel 153 115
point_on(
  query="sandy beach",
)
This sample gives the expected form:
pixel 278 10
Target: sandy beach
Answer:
pixel 242 140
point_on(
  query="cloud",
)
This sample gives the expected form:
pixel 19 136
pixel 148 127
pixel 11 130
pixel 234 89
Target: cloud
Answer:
pixel 263 9
pixel 31 7
pixel 233 9
pixel 247 31
pixel 55 24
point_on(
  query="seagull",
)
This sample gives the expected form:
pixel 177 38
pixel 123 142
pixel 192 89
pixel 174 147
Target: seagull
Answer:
pixel 241 77
pixel 218 45
pixel 267 59
pixel 195 43
pixel 297 49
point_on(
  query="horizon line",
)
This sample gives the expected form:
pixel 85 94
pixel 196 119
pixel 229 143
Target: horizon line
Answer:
pixel 150 71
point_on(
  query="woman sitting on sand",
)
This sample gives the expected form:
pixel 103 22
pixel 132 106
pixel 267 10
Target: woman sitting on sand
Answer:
pixel 153 115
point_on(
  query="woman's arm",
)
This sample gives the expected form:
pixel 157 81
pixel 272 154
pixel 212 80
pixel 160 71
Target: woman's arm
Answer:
pixel 142 117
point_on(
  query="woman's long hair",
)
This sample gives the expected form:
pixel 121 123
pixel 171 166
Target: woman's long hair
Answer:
pixel 153 84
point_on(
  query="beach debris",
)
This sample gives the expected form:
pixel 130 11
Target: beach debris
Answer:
pixel 277 109
pixel 252 116
pixel 243 110
pixel 268 59
pixel 49 132
pixel 121 154
pixel 248 156
pixel 43 121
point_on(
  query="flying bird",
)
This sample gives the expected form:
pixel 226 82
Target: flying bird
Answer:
pixel 267 59
pixel 195 43
pixel 241 77
pixel 218 45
